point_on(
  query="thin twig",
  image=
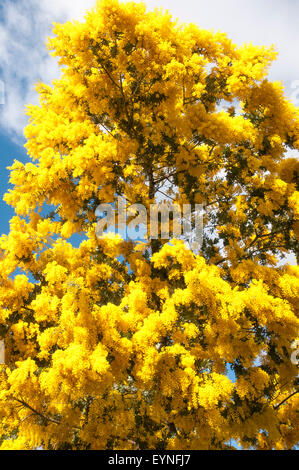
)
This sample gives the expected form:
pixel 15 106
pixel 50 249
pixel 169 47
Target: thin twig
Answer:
pixel 286 399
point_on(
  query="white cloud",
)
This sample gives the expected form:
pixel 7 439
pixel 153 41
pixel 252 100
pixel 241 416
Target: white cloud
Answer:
pixel 66 8
pixel 27 23
pixel 261 22
pixel 24 59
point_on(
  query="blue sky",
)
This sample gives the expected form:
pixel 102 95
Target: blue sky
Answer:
pixel 25 25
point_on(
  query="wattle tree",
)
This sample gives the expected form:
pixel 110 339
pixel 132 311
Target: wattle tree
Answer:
pixel 120 344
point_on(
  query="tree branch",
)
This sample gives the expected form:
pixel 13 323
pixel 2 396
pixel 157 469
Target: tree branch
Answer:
pixel 42 415
pixel 286 399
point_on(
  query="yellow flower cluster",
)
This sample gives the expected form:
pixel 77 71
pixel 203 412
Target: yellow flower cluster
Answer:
pixel 111 343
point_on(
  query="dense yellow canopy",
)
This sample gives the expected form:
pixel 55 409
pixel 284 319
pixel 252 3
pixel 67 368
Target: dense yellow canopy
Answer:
pixel 122 345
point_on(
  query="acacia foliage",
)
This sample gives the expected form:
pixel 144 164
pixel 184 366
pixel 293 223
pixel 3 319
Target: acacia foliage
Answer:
pixel 123 345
